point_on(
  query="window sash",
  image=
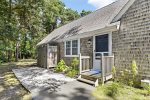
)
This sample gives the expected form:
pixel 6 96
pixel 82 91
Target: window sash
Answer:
pixel 71 47
pixel 68 48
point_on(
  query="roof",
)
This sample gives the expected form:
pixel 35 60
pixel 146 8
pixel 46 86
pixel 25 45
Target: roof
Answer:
pixel 98 19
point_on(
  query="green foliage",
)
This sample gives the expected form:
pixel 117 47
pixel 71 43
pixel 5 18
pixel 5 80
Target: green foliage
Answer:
pixel 61 67
pixel 72 73
pixel 114 72
pixel 75 63
pixel 84 13
pixel 147 88
pixel 73 70
pixel 112 90
pixel 121 92
pixel 130 77
pixel 126 77
pixel 134 68
pixel 24 23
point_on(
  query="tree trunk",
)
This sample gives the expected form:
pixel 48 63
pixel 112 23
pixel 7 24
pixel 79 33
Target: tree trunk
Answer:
pixel 9 55
pixel 17 51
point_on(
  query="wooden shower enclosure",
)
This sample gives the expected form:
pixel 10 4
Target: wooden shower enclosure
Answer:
pixel 47 56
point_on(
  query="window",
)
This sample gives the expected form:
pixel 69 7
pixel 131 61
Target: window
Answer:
pixel 75 47
pixel 68 47
pixel 102 43
pixel 71 47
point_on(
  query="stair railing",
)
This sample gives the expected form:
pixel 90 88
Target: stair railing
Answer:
pixel 84 63
pixel 107 62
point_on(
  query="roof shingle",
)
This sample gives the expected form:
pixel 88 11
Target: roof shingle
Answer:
pixel 96 20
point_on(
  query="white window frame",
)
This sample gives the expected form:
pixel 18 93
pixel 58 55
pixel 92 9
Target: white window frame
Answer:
pixel 71 48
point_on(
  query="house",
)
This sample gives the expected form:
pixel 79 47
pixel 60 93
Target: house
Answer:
pixel 120 29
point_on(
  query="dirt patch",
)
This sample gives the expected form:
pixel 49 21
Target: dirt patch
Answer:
pixel 10 87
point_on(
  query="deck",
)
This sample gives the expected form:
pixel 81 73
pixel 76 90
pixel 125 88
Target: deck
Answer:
pixel 94 76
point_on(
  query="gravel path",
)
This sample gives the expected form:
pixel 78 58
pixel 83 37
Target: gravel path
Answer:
pixel 38 79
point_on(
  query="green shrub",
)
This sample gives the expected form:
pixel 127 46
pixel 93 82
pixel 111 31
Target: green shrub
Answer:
pixel 147 88
pixel 126 78
pixel 134 69
pixel 72 73
pixel 130 77
pixel 61 67
pixel 135 76
pixel 73 70
pixel 112 90
pixel 114 72
pixel 75 63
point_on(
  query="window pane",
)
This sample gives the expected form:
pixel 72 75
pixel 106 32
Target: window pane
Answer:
pixel 68 48
pixel 68 44
pixel 68 51
pixel 75 43
pixel 75 47
pixel 74 51
pixel 102 43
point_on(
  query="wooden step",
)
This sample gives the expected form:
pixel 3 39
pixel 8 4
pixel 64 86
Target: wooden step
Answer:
pixel 86 81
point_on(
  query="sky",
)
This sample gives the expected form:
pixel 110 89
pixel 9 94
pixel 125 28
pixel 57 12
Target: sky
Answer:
pixel 91 5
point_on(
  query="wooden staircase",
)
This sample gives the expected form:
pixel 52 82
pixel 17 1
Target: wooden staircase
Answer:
pixel 106 67
pixel 90 80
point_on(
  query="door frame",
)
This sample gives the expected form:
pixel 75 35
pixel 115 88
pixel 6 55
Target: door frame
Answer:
pixel 109 43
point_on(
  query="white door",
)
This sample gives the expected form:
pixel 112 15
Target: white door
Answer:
pixel 101 47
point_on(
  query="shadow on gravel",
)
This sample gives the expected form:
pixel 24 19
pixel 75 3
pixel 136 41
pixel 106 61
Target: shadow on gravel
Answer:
pixel 78 94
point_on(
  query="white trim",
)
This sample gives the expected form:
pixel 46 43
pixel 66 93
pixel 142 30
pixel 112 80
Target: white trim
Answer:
pixel 65 48
pixel 78 47
pixel 123 10
pixel 92 33
pixel 109 44
pixel 71 47
pixel 78 40
pixel 93 49
pixel 71 56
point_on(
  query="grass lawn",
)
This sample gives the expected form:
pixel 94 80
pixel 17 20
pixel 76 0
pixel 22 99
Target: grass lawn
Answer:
pixel 10 87
pixel 124 93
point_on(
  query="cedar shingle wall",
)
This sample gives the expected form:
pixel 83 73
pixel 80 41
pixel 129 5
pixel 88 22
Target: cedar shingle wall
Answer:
pixel 133 39
pixel 85 50
pixel 62 54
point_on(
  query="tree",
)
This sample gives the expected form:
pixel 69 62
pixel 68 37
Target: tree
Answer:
pixel 68 16
pixel 84 13
pixel 23 23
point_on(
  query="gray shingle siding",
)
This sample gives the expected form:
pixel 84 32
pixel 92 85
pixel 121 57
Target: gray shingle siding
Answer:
pixel 132 42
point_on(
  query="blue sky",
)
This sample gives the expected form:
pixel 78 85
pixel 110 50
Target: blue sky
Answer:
pixel 91 5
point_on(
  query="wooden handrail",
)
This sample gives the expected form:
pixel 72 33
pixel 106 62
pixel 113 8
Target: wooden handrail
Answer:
pixel 81 58
pixel 107 62
pixel 85 57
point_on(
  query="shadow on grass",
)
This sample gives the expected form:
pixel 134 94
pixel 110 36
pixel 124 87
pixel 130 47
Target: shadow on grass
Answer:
pixel 10 87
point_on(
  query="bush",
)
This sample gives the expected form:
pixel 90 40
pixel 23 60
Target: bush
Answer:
pixel 112 90
pixel 134 69
pixel 72 73
pixel 147 88
pixel 114 72
pixel 75 63
pixel 61 67
pixel 130 77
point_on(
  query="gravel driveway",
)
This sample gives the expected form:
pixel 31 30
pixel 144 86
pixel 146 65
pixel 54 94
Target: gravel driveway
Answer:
pixel 46 85
pixel 38 79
